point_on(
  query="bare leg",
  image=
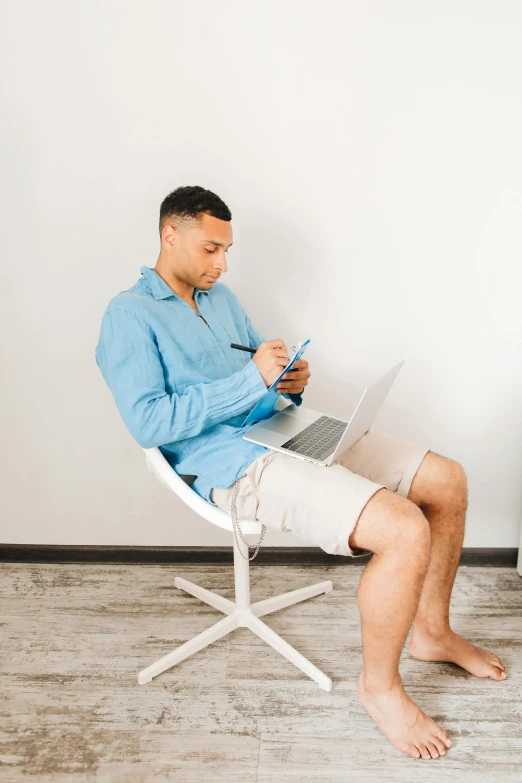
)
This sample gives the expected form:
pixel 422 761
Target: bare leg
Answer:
pixel 397 532
pixel 440 490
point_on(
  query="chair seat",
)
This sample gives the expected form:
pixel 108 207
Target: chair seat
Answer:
pixel 166 475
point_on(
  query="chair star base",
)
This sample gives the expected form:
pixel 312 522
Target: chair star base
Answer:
pixel 248 617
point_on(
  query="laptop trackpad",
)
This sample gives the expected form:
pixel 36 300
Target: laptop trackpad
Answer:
pixel 283 425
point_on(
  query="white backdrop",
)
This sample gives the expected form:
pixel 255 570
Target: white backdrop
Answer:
pixel 370 154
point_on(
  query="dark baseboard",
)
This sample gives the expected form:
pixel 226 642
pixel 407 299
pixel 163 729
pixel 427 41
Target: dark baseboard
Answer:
pixel 218 555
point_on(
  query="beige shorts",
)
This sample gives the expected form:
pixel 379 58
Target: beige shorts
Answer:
pixel 322 505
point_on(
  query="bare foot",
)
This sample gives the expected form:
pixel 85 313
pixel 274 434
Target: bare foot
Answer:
pixel 402 721
pixel 452 647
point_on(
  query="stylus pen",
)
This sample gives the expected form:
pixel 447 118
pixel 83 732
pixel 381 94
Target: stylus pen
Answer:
pixel 251 350
pixel 243 347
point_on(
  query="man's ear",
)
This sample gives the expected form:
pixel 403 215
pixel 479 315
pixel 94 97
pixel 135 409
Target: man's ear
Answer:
pixel 169 235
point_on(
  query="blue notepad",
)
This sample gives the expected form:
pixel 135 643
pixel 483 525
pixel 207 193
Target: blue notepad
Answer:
pixel 266 405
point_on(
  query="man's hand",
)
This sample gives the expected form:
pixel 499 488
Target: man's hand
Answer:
pixel 296 378
pixel 271 358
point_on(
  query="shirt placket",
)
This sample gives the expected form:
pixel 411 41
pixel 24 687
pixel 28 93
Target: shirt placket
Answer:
pixel 218 332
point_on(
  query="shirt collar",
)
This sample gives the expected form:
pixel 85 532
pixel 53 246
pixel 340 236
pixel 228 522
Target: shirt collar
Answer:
pixel 159 288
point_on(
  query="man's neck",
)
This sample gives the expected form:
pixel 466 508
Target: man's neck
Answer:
pixel 183 290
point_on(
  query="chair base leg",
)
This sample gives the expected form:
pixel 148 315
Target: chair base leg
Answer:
pixel 249 618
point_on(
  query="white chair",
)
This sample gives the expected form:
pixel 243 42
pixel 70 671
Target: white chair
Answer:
pixel 241 613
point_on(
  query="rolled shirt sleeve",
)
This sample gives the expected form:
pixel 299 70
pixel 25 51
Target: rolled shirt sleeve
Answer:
pixel 129 360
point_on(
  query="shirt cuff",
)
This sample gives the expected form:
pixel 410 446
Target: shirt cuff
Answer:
pixel 254 382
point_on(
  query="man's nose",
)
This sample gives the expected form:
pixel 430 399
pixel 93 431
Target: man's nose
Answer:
pixel 221 264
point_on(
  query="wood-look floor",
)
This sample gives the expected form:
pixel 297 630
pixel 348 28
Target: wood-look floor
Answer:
pixel 74 637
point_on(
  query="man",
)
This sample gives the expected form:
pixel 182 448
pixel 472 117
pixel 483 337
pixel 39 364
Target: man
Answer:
pixel 164 351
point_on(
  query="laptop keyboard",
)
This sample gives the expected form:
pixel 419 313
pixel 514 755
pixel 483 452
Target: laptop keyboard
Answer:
pixel 319 439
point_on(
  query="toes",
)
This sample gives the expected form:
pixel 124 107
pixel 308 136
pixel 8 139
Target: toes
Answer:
pixel 424 751
pixel 496 661
pixel 413 751
pixel 443 735
pixel 433 750
pixel 439 745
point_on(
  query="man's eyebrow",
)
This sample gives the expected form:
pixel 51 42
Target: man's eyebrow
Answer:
pixel 213 242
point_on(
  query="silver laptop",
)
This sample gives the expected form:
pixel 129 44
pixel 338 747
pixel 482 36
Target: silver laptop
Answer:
pixel 314 436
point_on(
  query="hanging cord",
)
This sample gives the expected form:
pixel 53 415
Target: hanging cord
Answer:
pixel 235 524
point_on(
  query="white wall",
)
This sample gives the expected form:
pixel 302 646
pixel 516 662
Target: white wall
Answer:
pixel 370 154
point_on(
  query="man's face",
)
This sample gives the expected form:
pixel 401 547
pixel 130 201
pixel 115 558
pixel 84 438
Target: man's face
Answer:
pixel 199 251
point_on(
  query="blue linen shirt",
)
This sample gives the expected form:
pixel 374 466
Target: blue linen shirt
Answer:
pixel 177 383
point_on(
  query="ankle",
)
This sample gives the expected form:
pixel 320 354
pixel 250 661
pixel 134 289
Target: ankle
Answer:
pixel 376 683
pixel 432 629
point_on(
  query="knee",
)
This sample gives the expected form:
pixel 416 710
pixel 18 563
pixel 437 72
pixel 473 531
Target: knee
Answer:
pixel 393 525
pixel 410 534
pixel 440 482
pixel 450 486
pixel 459 483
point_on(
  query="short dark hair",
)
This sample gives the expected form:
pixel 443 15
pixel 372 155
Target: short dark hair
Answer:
pixel 187 202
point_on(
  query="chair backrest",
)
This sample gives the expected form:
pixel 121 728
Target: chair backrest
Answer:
pixel 166 475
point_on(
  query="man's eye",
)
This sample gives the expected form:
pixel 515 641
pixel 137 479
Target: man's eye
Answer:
pixel 210 251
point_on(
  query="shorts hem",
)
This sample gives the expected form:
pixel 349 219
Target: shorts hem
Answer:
pixel 410 471
pixel 348 551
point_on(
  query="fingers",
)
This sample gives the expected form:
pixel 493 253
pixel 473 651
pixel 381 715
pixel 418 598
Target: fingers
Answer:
pixel 277 345
pixel 295 375
pixel 292 386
